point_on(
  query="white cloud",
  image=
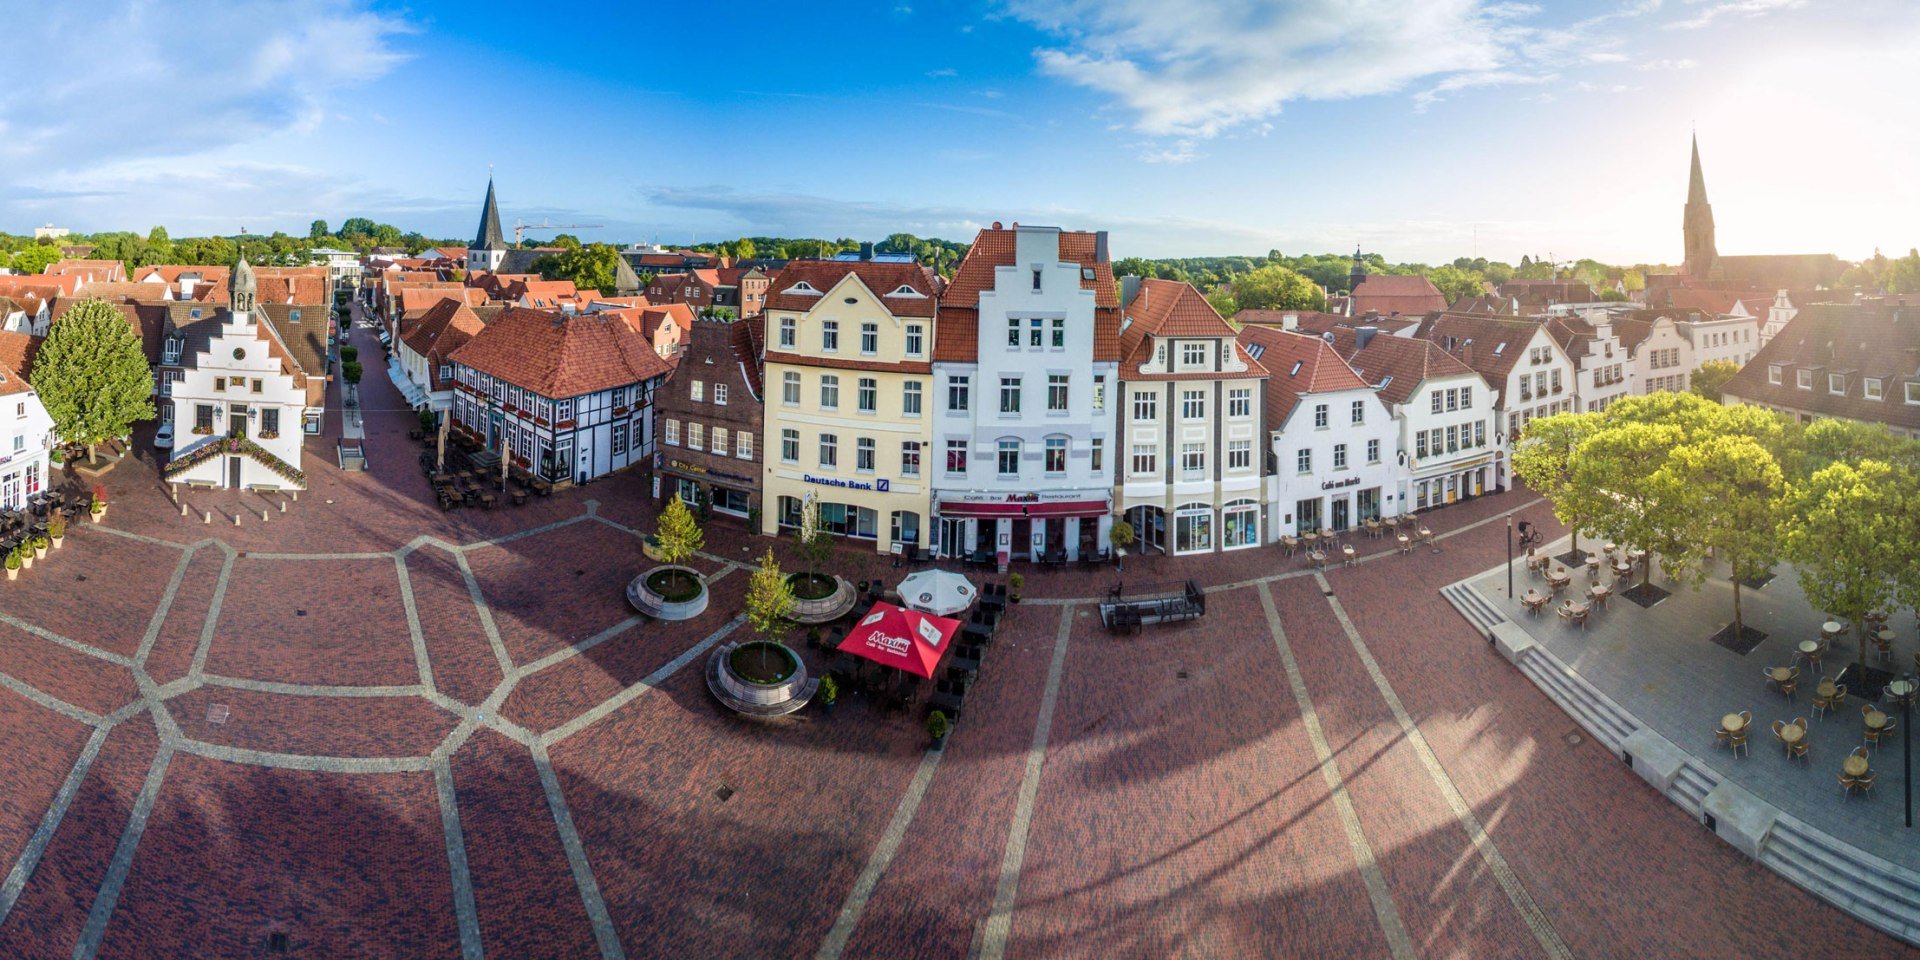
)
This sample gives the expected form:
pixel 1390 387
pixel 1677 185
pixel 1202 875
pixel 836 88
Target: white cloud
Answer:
pixel 244 72
pixel 1750 8
pixel 1605 56
pixel 1684 63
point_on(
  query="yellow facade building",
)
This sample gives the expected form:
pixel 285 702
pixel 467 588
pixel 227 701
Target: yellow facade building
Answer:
pixel 849 399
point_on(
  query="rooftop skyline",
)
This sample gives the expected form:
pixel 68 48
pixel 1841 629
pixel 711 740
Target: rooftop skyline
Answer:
pixel 1456 129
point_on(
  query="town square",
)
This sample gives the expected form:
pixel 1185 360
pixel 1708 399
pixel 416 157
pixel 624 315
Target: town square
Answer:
pixel 431 547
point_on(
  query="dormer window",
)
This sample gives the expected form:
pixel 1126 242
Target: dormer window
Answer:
pixel 1913 393
pixel 803 287
pixel 905 291
pixel 1804 379
pixel 194 313
pixel 1773 374
pixel 1870 388
pixel 1837 384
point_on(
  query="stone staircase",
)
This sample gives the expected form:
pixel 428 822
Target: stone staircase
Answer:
pixel 1872 889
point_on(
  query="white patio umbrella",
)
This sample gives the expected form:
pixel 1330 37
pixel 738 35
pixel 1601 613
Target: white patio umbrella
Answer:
pixel 939 592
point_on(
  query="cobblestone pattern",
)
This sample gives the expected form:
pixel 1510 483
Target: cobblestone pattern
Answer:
pixel 515 766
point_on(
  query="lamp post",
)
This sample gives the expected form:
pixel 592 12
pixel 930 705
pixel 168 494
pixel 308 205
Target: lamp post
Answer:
pixel 1903 693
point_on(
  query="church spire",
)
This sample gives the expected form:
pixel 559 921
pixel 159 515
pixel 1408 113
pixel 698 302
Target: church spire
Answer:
pixel 1697 222
pixel 242 288
pixel 489 237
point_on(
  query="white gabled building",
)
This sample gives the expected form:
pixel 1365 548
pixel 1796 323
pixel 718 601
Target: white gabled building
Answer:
pixel 1443 411
pixel 1026 350
pixel 1332 441
pixel 26 431
pixel 1603 368
pixel 1190 410
pixel 569 398
pixel 242 389
pixel 1524 366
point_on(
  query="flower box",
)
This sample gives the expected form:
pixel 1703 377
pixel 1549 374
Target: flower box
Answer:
pixel 203 431
pixel 540 421
pixel 619 411
pixel 565 425
pixel 521 462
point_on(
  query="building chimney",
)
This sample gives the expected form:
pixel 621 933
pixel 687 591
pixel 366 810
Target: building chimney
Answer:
pixel 996 225
pixel 1100 246
pixel 866 250
pixel 1129 288
pixel 1290 322
pixel 1364 335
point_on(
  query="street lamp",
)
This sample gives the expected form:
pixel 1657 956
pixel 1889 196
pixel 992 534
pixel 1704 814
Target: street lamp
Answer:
pixel 1902 691
pixel 1529 535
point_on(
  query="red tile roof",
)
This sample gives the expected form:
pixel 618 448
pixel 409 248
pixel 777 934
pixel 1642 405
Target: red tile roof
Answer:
pixel 881 278
pixel 1402 363
pixel 1862 341
pixel 1387 295
pixel 16 361
pixel 558 356
pixel 1478 341
pixel 1297 365
pixel 445 328
pixel 1166 309
pixel 957 335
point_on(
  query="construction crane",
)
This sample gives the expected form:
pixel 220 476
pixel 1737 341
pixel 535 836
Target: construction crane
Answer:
pixel 521 226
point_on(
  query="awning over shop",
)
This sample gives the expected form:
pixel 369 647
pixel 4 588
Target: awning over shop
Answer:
pixel 397 372
pixel 901 638
pixel 1058 508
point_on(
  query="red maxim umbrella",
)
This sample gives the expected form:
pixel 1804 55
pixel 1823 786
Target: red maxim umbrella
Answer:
pixel 902 638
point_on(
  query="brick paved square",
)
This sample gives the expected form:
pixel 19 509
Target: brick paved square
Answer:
pixel 559 587
pixel 314 726
pixel 65 673
pixel 335 622
pixel 173 648
pixel 464 665
pixel 99 589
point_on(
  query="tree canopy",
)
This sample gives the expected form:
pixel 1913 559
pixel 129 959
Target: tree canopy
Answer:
pixel 92 376
pixel 593 267
pixel 1274 287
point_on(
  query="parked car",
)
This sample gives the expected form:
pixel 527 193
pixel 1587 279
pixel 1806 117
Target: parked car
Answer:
pixel 163 437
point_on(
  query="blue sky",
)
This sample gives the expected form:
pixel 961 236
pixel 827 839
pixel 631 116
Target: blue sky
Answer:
pixel 1421 130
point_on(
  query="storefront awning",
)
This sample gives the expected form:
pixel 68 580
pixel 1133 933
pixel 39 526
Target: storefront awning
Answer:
pixel 397 372
pixel 1059 508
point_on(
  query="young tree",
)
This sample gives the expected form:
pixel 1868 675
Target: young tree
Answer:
pixel 769 600
pixel 678 534
pixel 816 545
pixel 1713 375
pixel 1732 494
pixel 92 375
pixel 317 231
pixel 1543 460
pixel 1845 541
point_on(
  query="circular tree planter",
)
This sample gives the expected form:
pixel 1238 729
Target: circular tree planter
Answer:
pixel 819 598
pixel 759 678
pixel 669 593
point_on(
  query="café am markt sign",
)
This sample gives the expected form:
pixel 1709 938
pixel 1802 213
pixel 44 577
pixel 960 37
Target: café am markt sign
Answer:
pixel 877 486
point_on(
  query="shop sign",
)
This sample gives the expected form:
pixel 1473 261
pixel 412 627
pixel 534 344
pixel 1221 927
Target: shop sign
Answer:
pixel 1352 481
pixel 685 467
pixel 877 486
pixel 1045 496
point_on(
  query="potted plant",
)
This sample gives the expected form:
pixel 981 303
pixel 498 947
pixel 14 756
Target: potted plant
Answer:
pixel 1121 536
pixel 99 507
pixel 40 545
pixel 827 695
pixel 25 553
pixel 57 530
pixel 13 564
pixel 1015 584
pixel 938 727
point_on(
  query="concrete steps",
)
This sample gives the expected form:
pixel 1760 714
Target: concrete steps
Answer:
pixel 1470 604
pixel 1880 893
pixel 1691 787
pixel 1600 716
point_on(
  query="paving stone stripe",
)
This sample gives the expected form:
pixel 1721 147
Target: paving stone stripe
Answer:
pixel 142 538
pixel 36 848
pixel 647 683
pixel 303 689
pixel 603 931
pixel 199 665
pixel 108 896
pixel 464 909
pixel 301 761
pixel 159 619
pixel 485 612
pixel 1384 910
pixel 414 633
pixel 993 937
pixel 376 555
pixel 71 644
pixel 1483 844
pixel 530 532
pixel 882 857
pixel 574 650
pixel 48 700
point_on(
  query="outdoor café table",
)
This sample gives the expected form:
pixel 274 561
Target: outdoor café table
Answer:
pixel 1809 648
pixel 1900 690
pixel 1593 563
pixel 1875 720
pixel 1558 579
pixel 1877 616
pixel 1825 689
pixel 1854 766
pixel 1405 544
pixel 1346 554
pixel 1577 608
pixel 1610 548
pixel 1638 556
pixel 1792 734
pixel 1319 559
pixel 1310 538
pixel 519 497
pixel 1533 601
pixel 1884 636
pixel 1732 723
pixel 1599 593
pixel 1622 567
pixel 1832 628
pixel 1780 674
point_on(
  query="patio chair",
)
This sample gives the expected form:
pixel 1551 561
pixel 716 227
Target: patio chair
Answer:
pixel 1738 741
pixel 1722 735
pixel 1875 737
pixel 1822 704
pixel 1801 748
pixel 1883 647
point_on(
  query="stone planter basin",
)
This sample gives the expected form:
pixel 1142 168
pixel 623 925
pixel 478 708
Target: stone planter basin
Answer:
pixel 647 600
pixel 826 609
pixel 752 699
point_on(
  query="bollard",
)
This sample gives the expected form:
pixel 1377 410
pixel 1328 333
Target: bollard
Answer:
pixel 208 518
pixel 283 506
pixel 236 519
pixel 263 516
pixel 183 509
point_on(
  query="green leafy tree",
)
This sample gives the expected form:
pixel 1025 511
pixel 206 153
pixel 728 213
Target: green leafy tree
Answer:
pixel 92 375
pixel 1844 540
pixel 1276 288
pixel 1455 283
pixel 769 600
pixel 357 227
pixel 317 231
pixel 1612 469
pixel 744 248
pixel 35 259
pixel 594 267
pixel 1829 441
pixel 1543 460
pixel 1223 302
pixel 678 533
pixel 566 240
pixel 1731 494
pixel 1712 377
